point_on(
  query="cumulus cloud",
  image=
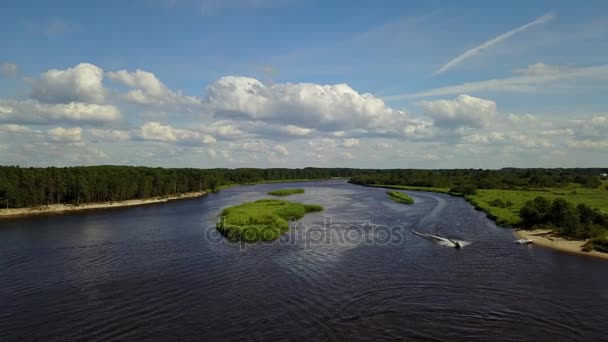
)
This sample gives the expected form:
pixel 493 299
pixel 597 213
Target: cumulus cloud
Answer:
pixel 109 135
pixel 464 110
pixel 592 128
pixel 82 83
pixel 12 128
pixel 348 155
pixel 307 105
pixel 149 90
pixel 280 149
pixel 223 129
pixel 350 142
pixel 157 131
pixel 8 70
pixel 61 134
pixel 32 111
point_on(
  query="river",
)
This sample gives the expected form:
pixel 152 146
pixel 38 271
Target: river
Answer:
pixel 353 272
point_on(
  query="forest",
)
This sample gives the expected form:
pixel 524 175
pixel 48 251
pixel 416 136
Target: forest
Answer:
pixel 32 187
pixel 467 180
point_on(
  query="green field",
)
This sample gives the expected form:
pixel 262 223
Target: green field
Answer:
pixel 515 199
pixel 286 192
pixel 400 197
pixel 262 220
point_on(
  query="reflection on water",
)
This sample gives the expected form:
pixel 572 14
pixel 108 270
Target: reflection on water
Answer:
pixel 156 272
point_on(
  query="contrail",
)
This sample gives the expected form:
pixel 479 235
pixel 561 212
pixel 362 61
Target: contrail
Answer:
pixel 497 40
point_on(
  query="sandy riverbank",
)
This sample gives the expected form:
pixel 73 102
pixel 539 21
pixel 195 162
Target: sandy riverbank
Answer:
pixel 544 238
pixel 60 208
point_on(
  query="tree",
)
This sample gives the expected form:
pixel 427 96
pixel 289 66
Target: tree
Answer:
pixel 564 216
pixel 535 212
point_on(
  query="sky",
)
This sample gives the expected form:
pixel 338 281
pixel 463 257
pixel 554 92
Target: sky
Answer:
pixel 296 83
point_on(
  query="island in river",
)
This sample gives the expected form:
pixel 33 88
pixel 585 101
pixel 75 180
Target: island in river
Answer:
pixel 262 220
pixel 286 192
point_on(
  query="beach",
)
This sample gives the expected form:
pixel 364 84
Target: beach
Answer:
pixel 544 238
pixel 61 208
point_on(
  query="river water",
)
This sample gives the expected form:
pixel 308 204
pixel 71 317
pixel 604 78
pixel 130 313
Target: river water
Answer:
pixel 353 272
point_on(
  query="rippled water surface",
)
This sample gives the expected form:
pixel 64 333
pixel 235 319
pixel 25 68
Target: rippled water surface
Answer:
pixel 159 273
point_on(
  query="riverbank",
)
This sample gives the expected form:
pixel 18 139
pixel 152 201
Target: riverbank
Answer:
pixel 508 217
pixel 63 208
pixel 545 238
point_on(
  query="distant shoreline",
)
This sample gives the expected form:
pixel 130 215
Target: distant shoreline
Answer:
pixel 64 208
pixel 67 208
pixel 544 238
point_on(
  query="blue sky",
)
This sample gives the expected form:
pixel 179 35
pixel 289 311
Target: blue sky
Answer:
pixel 292 83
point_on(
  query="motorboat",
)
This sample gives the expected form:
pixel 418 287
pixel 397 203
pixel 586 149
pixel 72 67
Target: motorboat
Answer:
pixel 523 241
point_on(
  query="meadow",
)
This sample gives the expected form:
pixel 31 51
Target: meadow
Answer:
pixel 508 215
pixel 262 220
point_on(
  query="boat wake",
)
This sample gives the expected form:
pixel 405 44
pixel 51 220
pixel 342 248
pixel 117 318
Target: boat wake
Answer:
pixel 442 240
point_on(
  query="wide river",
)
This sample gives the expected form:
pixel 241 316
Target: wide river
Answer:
pixel 353 272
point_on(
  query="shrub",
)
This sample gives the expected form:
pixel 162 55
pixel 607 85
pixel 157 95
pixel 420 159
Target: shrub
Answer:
pixel 535 212
pixel 498 203
pixel 465 189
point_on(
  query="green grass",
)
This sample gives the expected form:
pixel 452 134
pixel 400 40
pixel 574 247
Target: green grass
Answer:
pixel 226 186
pixel 407 187
pixel 400 197
pixel 509 215
pixel 515 199
pixel 286 192
pixel 262 220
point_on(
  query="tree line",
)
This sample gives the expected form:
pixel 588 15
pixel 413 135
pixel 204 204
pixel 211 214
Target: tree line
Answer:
pixel 32 187
pixel 467 180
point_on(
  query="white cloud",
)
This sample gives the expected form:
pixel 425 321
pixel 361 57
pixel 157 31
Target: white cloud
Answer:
pixel 383 145
pixel 492 42
pixel 8 70
pixel 280 149
pixel 297 131
pixel 464 110
pixel 148 89
pixel 12 128
pixel 61 134
pixel 109 135
pixel 223 129
pixel 307 105
pixel 82 83
pixel 350 142
pixel 211 153
pixel 157 131
pixel 348 155
pixel 525 83
pixel 31 111
pixel 593 128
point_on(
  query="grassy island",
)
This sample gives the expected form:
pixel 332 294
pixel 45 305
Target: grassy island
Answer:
pixel 262 220
pixel 400 197
pixel 286 192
